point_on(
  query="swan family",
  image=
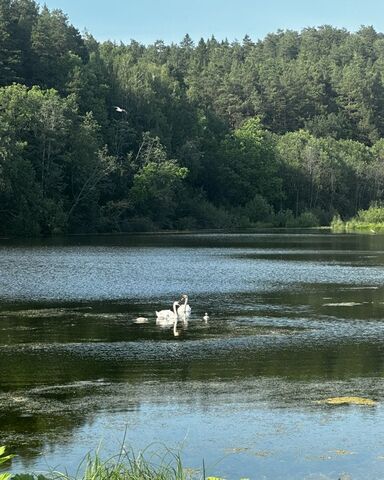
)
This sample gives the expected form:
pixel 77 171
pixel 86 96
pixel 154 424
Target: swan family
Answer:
pixel 171 317
pixel 181 310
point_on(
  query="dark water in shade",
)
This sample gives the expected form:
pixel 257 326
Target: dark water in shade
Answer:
pixel 294 318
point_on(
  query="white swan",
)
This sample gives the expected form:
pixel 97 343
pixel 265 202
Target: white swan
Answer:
pixel 167 317
pixel 206 317
pixel 184 310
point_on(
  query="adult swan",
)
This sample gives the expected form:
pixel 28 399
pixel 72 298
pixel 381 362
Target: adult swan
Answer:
pixel 168 317
pixel 184 310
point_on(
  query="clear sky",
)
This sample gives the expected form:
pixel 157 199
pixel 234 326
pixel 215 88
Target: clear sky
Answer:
pixel 169 20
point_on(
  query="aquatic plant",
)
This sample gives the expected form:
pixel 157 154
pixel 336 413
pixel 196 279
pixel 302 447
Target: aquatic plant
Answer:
pixel 128 466
pixel 163 465
pixel 3 459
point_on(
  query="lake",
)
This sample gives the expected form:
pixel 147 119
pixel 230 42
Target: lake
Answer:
pixel 295 318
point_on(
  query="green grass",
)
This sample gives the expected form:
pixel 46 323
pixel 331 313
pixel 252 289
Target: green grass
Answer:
pixel 129 468
pixel 370 221
pixel 164 465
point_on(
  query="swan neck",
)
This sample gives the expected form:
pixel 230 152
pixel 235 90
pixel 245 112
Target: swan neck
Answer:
pixel 176 318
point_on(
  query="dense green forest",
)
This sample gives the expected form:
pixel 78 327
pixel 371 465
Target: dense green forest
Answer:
pixel 283 131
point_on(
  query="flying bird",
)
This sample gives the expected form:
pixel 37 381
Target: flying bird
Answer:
pixel 119 109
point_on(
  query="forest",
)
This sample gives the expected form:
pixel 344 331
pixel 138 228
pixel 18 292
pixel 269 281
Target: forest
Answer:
pixel 99 137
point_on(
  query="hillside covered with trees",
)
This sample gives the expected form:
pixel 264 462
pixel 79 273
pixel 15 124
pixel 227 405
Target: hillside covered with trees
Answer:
pixel 288 130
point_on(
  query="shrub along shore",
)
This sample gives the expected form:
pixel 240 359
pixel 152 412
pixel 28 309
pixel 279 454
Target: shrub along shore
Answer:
pixel 370 221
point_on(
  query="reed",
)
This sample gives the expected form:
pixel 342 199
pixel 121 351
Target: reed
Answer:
pixel 156 462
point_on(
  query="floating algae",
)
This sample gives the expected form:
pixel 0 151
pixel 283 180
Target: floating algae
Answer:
pixel 236 450
pixel 342 452
pixel 349 401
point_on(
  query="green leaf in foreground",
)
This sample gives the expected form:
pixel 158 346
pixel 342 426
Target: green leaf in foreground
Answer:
pixel 4 458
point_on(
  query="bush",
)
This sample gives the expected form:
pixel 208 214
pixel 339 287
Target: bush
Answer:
pixel 282 218
pixel 304 220
pixel 374 214
pixel 337 224
pixel 371 220
pixel 258 209
pixel 205 214
pixel 138 224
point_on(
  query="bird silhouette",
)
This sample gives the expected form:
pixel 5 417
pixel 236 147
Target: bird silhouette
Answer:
pixel 119 109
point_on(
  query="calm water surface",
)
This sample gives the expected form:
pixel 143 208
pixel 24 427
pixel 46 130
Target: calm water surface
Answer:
pixel 294 318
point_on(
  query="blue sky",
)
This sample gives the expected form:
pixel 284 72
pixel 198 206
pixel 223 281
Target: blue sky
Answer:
pixel 169 20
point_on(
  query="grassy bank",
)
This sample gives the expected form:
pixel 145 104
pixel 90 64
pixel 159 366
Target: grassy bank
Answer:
pixel 370 221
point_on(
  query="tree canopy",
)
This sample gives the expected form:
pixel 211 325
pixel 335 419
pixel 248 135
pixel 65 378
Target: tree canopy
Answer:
pixel 207 134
